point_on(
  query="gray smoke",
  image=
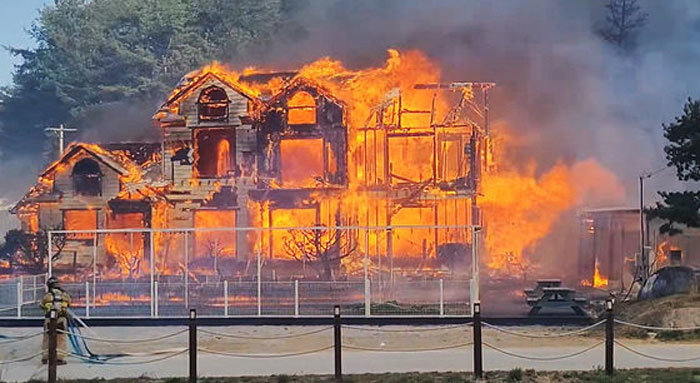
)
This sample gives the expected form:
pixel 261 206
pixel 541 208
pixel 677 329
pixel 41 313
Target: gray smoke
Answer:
pixel 564 92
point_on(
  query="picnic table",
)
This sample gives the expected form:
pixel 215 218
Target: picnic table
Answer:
pixel 542 283
pixel 555 297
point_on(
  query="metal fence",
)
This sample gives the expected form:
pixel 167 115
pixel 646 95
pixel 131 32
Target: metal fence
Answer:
pixel 232 298
pixel 279 271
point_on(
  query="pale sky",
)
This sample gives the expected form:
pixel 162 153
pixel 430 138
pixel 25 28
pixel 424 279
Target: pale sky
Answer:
pixel 16 16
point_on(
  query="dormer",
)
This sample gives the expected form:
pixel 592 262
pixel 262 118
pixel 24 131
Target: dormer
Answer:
pixel 304 137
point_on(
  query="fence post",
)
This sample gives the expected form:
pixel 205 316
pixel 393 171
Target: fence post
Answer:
pixel 34 288
pixel 187 271
pixel 365 265
pixel 19 297
pixel 153 268
pixel 368 298
pixel 193 346
pixel 155 298
pixel 442 297
pixel 87 299
pixel 52 346
pixel 609 336
pixel 49 264
pixel 338 347
pixel 259 285
pixel 296 297
pixel 226 298
pixel 478 360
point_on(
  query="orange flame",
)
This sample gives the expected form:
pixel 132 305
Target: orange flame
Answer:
pixel 599 281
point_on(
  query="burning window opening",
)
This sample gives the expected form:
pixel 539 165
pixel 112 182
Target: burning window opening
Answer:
pixel 302 162
pixel 214 153
pixel 87 178
pixel 214 244
pixel 80 220
pixel 301 109
pixel 213 104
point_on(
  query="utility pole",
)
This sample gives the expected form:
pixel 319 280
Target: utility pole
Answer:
pixel 60 132
pixel 643 253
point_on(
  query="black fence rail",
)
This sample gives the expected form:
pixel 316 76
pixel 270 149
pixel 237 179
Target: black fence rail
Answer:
pixel 336 341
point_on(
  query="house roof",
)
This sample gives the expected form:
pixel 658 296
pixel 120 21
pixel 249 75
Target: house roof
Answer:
pixel 108 158
pixel 188 84
pixel 303 82
pixel 124 159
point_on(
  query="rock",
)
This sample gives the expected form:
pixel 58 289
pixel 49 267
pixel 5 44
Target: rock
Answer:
pixel 668 281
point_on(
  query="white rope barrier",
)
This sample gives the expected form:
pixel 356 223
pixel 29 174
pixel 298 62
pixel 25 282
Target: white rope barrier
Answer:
pixel 124 341
pixel 15 339
pixel 288 336
pixel 22 359
pixel 438 348
pixel 559 335
pixel 649 356
pixel 653 328
pixel 264 356
pixel 428 329
pixel 541 358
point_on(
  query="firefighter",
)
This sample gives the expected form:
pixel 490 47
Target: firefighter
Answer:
pixel 55 299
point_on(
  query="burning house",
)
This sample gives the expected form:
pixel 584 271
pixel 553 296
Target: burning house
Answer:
pixel 320 147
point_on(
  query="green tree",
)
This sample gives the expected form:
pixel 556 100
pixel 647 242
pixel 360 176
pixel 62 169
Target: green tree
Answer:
pixel 682 152
pixel 93 52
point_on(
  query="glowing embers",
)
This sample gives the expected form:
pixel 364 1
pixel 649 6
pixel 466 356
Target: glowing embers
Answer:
pixel 301 109
pixel 301 162
pixel 80 220
pixel 215 243
pixel 215 152
pixel 127 248
pixel 213 104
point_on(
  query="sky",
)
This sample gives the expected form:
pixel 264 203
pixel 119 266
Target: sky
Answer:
pixel 16 17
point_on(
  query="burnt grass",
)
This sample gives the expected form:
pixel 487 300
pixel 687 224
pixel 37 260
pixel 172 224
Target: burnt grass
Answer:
pixel 675 375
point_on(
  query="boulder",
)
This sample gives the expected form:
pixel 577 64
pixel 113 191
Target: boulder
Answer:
pixel 668 281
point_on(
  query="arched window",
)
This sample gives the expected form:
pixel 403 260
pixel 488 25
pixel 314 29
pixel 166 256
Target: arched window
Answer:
pixel 301 109
pixel 87 178
pixel 213 104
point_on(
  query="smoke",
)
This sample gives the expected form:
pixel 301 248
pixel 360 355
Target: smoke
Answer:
pixel 119 122
pixel 566 94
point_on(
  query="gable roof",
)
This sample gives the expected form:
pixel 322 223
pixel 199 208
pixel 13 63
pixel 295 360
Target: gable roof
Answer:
pixel 187 85
pixel 300 82
pixel 118 160
pixel 118 164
